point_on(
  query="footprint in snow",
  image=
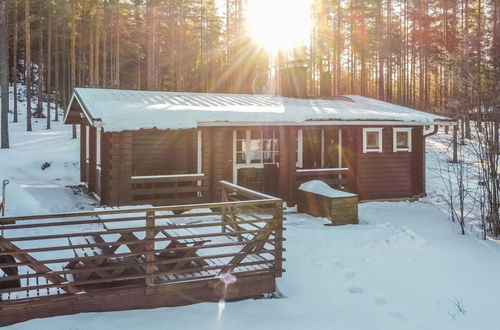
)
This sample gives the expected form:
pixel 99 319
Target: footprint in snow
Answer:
pixel 355 289
pixel 398 315
pixel 350 275
pixel 380 301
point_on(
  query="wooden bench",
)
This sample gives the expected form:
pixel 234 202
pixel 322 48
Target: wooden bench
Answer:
pixel 320 200
pixel 86 252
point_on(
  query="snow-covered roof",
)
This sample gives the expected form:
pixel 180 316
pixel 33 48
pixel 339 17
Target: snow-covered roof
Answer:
pixel 119 110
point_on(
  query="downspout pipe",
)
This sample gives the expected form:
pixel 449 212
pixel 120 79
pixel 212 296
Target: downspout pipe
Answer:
pixel 434 132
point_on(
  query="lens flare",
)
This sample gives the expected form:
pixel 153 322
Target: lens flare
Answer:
pixel 279 24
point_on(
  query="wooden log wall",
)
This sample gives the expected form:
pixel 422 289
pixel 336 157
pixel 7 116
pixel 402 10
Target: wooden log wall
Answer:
pixel 418 161
pixel 162 152
pixel 105 164
pixel 222 155
pixel 83 146
pixel 390 175
pixel 207 151
pixel 119 169
pixel 287 159
pixel 92 179
pixel 372 175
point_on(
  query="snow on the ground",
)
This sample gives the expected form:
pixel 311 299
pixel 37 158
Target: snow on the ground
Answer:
pixel 33 189
pixel 405 266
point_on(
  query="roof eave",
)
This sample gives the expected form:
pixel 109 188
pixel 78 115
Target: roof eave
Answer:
pixel 330 123
pixel 85 111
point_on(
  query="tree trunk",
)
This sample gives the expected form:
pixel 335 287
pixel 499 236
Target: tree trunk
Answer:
pixel 4 75
pixel 73 56
pixel 97 42
pixel 27 63
pixel 49 60
pixel 381 95
pixel 91 50
pixel 57 93
pixel 105 47
pixel 338 66
pixel 14 61
pixel 151 18
pixel 455 144
pixel 40 67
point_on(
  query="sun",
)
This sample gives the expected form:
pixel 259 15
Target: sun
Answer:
pixel 279 24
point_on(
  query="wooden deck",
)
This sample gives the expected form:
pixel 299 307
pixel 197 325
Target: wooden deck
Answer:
pixel 154 256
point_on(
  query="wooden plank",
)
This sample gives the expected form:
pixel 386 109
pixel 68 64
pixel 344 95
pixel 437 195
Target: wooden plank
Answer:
pixel 150 247
pixel 145 209
pixel 134 298
pixel 35 264
pixel 169 190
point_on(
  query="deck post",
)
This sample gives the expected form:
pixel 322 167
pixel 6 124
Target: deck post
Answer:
pixel 92 172
pixel 278 243
pixel 287 159
pixel 224 209
pixel 150 250
pixel 83 155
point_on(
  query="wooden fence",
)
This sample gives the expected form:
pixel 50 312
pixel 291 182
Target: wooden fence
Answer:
pixel 196 250
pixel 170 189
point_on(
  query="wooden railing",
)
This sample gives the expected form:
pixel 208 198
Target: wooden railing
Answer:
pixel 336 178
pixel 170 189
pixel 85 252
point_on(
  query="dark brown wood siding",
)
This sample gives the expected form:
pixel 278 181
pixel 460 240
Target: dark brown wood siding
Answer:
pixel 92 178
pixel 418 161
pixel 156 152
pixel 372 175
pixel 83 160
pixel 104 167
pixel 119 168
pixel 389 174
pixel 288 159
pixel 222 143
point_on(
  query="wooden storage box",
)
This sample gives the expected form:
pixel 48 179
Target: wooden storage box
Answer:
pixel 320 200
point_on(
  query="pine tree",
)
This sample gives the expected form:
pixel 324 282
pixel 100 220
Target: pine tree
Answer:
pixel 4 76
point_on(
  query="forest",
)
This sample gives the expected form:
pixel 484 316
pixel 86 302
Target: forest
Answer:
pixel 440 56
pixel 434 55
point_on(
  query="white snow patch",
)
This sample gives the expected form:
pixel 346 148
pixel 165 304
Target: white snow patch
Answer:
pixel 321 188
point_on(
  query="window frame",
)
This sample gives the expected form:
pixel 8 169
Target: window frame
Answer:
pixel 246 142
pixel 395 131
pixel 299 164
pixel 378 130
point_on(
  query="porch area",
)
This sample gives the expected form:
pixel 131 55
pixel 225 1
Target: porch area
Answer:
pixel 141 257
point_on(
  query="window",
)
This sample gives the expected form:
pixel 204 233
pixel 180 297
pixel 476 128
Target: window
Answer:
pixel 401 138
pixel 372 140
pixel 319 148
pixel 256 147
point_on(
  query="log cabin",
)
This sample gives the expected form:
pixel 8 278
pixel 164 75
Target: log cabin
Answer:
pixel 170 148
